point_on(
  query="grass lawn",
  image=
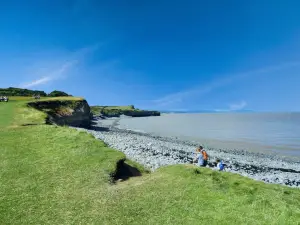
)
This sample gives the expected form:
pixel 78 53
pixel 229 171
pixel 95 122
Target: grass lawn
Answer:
pixel 6 113
pixel 57 175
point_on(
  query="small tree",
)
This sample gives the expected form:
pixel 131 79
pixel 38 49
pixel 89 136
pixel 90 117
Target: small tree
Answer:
pixel 58 94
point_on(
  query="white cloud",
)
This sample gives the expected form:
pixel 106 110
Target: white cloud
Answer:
pixel 204 89
pixel 62 70
pixel 42 80
pixel 180 96
pixel 53 75
pixel 238 106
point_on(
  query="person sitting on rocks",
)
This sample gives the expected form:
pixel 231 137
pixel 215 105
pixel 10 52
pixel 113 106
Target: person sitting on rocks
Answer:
pixel 201 156
pixel 220 165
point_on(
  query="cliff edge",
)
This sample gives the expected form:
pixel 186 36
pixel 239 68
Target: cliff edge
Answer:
pixel 65 111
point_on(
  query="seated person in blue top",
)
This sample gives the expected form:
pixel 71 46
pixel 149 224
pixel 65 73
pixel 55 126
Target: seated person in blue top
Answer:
pixel 220 165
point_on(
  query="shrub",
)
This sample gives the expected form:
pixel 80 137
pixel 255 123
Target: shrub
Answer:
pixel 58 94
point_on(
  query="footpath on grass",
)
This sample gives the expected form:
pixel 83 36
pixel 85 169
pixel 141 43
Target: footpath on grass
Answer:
pixel 57 175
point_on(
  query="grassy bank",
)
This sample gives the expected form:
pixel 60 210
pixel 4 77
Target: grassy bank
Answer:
pixel 57 175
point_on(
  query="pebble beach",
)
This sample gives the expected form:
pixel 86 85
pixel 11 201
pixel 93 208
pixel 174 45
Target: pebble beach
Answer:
pixel 154 151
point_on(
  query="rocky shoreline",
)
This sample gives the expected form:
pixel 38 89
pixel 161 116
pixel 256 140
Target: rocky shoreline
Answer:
pixel 154 151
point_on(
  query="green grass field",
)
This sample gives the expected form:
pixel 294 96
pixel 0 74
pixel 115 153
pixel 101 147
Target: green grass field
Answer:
pixel 58 175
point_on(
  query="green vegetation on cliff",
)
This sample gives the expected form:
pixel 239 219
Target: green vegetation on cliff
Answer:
pixel 20 92
pixel 58 175
pixel 11 91
pixel 57 94
pixel 112 111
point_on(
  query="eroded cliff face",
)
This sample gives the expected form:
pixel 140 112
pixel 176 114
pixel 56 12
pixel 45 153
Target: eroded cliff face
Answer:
pixel 65 112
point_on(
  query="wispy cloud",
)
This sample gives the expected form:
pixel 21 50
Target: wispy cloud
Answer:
pixel 62 70
pixel 40 81
pixel 234 107
pixel 207 88
pixel 238 106
pixel 51 76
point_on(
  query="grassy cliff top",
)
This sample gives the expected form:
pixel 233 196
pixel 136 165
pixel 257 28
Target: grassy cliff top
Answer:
pixel 20 113
pixel 126 107
pixel 58 175
pixel 98 109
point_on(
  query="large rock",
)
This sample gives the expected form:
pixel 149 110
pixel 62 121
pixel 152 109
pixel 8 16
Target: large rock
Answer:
pixel 132 113
pixel 141 113
pixel 65 112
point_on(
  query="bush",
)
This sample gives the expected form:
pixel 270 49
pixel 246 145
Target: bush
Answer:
pixel 20 92
pixel 58 94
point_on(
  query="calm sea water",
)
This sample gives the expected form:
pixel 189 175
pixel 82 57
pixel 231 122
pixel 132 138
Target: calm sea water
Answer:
pixel 277 133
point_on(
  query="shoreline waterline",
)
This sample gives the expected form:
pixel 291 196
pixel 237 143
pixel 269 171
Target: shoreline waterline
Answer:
pixel 154 151
pixel 273 133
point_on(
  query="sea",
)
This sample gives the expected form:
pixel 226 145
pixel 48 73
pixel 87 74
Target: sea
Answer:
pixel 272 133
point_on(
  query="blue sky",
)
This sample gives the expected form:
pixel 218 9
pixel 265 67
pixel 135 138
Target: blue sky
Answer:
pixel 175 55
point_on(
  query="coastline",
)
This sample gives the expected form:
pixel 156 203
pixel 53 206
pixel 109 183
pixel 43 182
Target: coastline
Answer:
pixel 153 151
pixel 266 133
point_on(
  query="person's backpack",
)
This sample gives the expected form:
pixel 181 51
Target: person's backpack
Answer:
pixel 221 166
pixel 205 156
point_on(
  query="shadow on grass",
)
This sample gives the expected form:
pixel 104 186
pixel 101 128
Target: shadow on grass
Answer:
pixel 29 124
pixel 125 171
